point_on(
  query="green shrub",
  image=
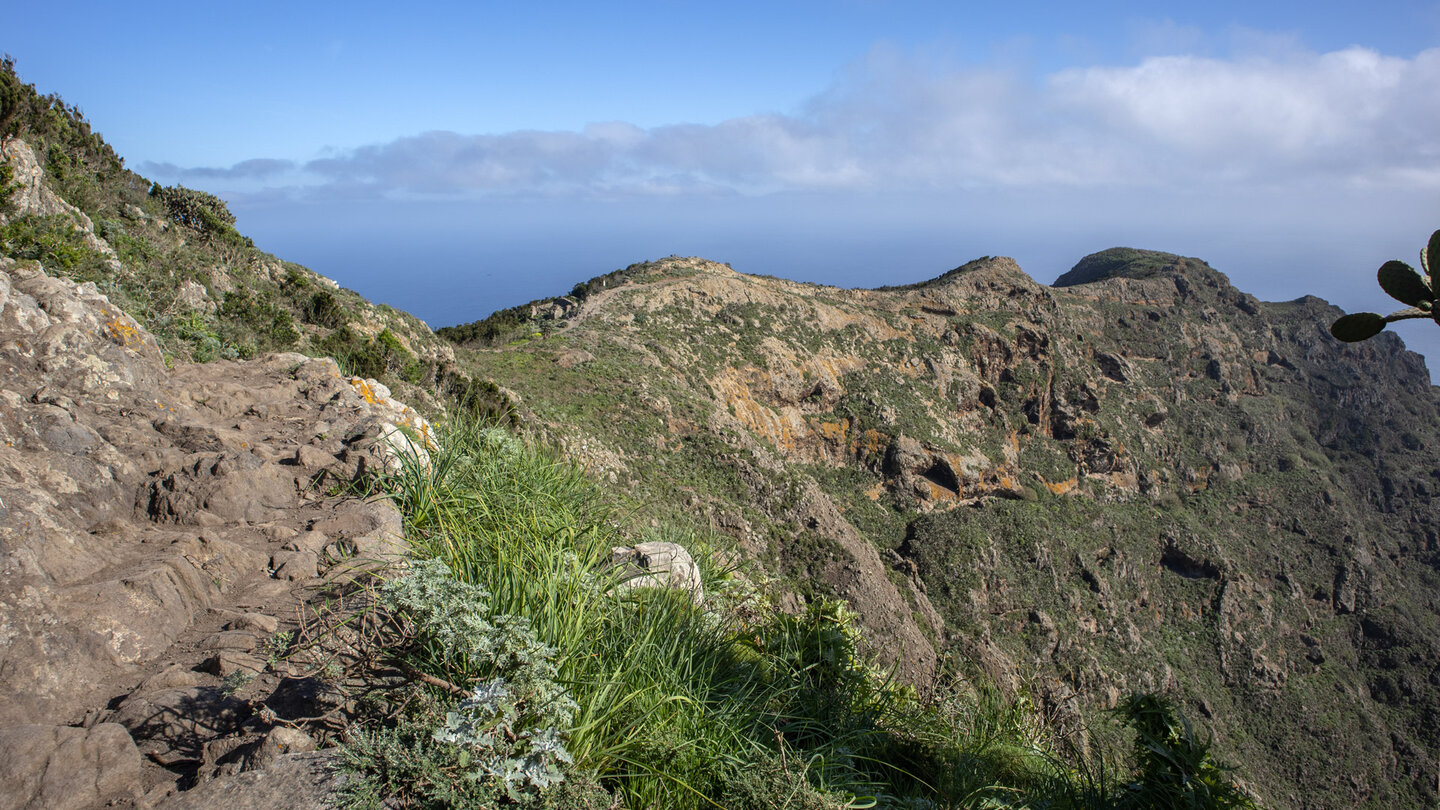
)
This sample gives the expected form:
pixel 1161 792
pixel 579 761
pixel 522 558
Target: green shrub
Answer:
pixel 489 331
pixel 253 321
pixel 505 742
pixel 1175 768
pixel 200 211
pixel 55 242
pixel 324 309
pixel 366 357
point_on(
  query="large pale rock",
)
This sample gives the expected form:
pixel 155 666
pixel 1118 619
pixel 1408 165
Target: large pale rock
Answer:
pixel 58 768
pixel 658 565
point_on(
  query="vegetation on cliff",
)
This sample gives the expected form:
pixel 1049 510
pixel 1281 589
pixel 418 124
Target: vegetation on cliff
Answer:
pixel 172 258
pixel 1146 480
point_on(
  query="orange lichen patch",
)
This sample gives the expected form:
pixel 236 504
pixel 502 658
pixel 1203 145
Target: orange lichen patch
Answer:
pixel 835 433
pixel 364 390
pixel 785 430
pixel 869 442
pixel 939 493
pixel 841 438
pixel 1061 487
pixel 124 332
pixel 874 493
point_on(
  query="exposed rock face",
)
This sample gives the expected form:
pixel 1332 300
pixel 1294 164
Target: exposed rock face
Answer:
pixel 1139 479
pixel 139 507
pixel 53 767
pixel 33 197
pixel 300 781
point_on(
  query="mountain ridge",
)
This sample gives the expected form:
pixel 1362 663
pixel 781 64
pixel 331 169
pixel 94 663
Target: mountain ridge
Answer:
pixel 1203 431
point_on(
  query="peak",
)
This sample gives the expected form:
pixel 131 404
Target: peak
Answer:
pixel 676 266
pixel 1123 262
pixel 983 266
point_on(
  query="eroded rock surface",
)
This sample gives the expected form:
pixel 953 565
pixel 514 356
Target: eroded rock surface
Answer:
pixel 157 526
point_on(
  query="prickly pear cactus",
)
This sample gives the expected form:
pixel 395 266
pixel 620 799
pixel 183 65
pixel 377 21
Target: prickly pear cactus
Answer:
pixel 1400 281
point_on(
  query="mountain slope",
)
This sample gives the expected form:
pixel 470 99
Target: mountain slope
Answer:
pixel 1143 480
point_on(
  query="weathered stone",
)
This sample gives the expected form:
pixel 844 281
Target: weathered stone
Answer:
pixel 279 741
pixel 57 768
pixel 230 662
pixel 295 566
pixel 313 457
pixel 254 622
pixel 181 719
pixel 229 640
pixel 292 781
pixel 193 295
pixel 658 565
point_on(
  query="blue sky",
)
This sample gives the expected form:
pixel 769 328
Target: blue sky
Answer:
pixel 452 159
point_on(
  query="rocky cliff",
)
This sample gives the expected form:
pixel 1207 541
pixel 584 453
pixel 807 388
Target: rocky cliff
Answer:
pixel 1138 478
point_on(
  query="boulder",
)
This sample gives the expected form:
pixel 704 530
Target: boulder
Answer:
pixel 658 565
pixel 58 767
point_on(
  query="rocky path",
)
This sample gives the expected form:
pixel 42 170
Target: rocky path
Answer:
pixel 160 531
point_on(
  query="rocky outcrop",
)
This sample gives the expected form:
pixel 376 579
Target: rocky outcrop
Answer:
pixel 44 767
pixel 156 528
pixel 33 197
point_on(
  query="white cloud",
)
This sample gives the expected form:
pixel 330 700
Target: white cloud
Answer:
pixel 1342 116
pixel 1352 117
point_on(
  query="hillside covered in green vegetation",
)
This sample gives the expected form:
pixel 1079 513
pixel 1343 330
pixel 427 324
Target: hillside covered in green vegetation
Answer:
pixel 1140 478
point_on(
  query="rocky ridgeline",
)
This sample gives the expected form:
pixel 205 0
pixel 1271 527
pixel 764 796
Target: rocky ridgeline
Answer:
pixel 158 529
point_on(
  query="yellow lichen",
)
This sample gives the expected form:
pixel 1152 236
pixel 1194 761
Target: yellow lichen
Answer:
pixel 363 389
pixel 123 332
pixel 1061 487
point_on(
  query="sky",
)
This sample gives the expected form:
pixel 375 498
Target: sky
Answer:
pixel 452 159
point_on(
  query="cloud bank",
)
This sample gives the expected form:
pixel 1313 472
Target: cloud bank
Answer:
pixel 1352 117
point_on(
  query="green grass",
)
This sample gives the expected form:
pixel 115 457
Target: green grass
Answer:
pixel 652 699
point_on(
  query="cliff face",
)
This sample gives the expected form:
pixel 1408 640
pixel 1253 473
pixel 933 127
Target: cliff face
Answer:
pixel 1143 480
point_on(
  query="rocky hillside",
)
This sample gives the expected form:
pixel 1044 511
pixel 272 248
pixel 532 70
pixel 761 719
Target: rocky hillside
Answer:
pixel 162 523
pixel 172 259
pixel 159 530
pixel 1140 478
